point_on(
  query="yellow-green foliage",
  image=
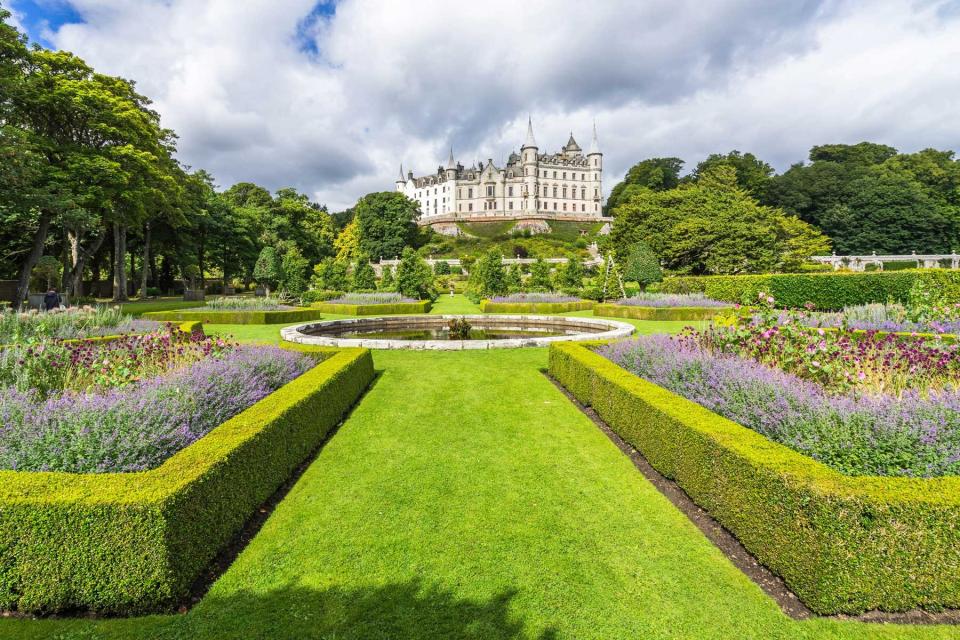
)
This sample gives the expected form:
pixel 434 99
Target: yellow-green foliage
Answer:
pixel 658 313
pixel 842 544
pixel 486 306
pixel 135 542
pixel 392 309
pixel 827 291
pixel 237 317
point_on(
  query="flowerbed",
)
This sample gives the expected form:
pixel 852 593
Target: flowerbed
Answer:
pixel 535 303
pixel 892 317
pixel 671 300
pixel 127 404
pixel 135 542
pixel 368 304
pixel 67 324
pixel 246 304
pixel 282 316
pixel 385 297
pixel 533 297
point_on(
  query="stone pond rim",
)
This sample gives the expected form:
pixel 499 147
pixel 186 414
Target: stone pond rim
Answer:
pixel 574 328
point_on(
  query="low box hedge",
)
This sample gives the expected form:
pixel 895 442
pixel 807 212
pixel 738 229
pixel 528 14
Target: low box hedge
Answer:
pixel 135 542
pixel 827 291
pixel 658 313
pixel 488 306
pixel 283 316
pixel 392 309
pixel 843 544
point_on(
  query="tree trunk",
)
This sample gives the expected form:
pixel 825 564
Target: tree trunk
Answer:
pixel 78 259
pixel 39 239
pixel 119 263
pixel 145 275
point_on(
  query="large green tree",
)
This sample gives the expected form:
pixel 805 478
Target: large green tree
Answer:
pixel 386 223
pixel 657 174
pixel 713 226
pixel 753 174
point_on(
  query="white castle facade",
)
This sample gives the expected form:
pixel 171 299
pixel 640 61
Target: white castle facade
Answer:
pixel 532 188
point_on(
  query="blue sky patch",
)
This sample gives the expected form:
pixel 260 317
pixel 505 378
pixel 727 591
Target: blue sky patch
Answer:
pixel 40 16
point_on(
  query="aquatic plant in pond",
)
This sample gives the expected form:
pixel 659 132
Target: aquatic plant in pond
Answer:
pixel 910 434
pixel 138 426
pixel 644 299
pixel 534 297
pixel 246 304
pixel 75 322
pixel 381 297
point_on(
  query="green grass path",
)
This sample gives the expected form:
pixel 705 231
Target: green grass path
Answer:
pixel 465 497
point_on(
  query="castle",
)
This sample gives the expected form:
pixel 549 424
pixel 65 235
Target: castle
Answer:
pixel 532 188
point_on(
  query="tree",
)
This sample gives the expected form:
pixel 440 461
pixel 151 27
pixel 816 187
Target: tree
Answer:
pixel 713 227
pixel 488 277
pixel 642 265
pixel 414 277
pixel 570 276
pixel 441 268
pixel 385 223
pixel 540 276
pixel 753 174
pixel 658 174
pixel 331 275
pixel 347 244
pixel 294 272
pixel 387 282
pixel 364 277
pixel 514 279
pixel 267 271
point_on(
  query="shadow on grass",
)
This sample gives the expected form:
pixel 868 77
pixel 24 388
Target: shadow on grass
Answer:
pixel 396 611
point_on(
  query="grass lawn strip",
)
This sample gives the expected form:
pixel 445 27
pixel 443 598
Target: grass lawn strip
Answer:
pixel 466 497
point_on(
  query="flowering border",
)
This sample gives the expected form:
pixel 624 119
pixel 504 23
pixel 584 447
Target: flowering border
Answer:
pixel 235 317
pixel 662 313
pixel 488 306
pixel 393 308
pixel 842 544
pixel 135 542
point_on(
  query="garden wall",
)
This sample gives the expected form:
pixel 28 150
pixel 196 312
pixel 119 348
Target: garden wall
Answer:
pixel 236 317
pixel 843 544
pixel 135 542
pixel 827 291
pixel 487 306
pixel 393 309
pixel 658 313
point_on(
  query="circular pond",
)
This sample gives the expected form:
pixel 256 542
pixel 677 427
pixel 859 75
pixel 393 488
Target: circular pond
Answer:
pixel 454 332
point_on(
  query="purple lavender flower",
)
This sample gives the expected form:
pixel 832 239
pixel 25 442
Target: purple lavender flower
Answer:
pixel 533 298
pixel 671 300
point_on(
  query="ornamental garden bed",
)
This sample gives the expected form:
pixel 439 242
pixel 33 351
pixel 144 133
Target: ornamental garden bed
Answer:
pixel 844 485
pixel 373 304
pixel 280 316
pixel 535 303
pixel 660 306
pixel 110 503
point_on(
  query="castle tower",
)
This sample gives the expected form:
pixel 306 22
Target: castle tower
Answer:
pixel 595 162
pixel 528 154
pixel 450 172
pixel 572 148
pixel 401 181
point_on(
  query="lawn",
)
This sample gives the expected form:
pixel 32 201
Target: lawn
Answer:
pixel 466 497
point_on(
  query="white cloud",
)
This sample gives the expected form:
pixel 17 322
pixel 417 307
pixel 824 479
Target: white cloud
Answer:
pixel 333 106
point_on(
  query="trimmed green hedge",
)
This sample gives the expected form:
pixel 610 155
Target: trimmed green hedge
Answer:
pixel 486 306
pixel 393 309
pixel 828 291
pixel 843 544
pixel 135 542
pixel 237 317
pixel 659 313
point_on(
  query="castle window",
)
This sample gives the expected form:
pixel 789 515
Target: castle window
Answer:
pixel 583 207
pixel 564 192
pixel 471 207
pixel 595 162
pixel 469 193
pixel 554 191
pixel 490 191
pixel 564 206
pixel 564 175
pixel 583 176
pixel 596 193
pixel 510 205
pixel 459 193
pixel 510 190
pixel 554 174
pixel 595 207
pixel 554 206
pixel 459 206
pixel 583 194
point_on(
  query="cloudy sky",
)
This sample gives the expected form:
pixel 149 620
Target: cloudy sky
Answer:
pixel 331 97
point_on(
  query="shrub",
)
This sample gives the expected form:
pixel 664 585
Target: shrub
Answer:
pixel 364 277
pixel 842 544
pixel 319 295
pixel 387 282
pixel 414 277
pixel 642 266
pixel 540 276
pixel 827 291
pixel 294 269
pixel 488 277
pixel 441 268
pixel 569 276
pixel 131 543
pixel 330 274
pixel 267 270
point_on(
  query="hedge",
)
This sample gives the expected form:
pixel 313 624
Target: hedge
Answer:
pixel 135 542
pixel 392 309
pixel 283 316
pixel 843 544
pixel 658 313
pixel 827 291
pixel 488 306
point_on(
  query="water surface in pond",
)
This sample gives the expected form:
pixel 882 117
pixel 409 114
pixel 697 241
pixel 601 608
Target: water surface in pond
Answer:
pixel 444 334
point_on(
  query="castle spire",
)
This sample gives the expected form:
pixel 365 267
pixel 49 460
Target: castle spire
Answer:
pixel 594 144
pixel 450 162
pixel 531 142
pixel 401 178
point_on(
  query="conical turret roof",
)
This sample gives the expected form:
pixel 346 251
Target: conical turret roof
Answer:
pixel 531 142
pixel 594 144
pixel 451 164
pixel 572 144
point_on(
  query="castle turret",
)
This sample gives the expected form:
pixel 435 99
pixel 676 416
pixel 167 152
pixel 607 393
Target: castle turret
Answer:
pixel 451 169
pixel 401 181
pixel 572 149
pixel 595 161
pixel 528 153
